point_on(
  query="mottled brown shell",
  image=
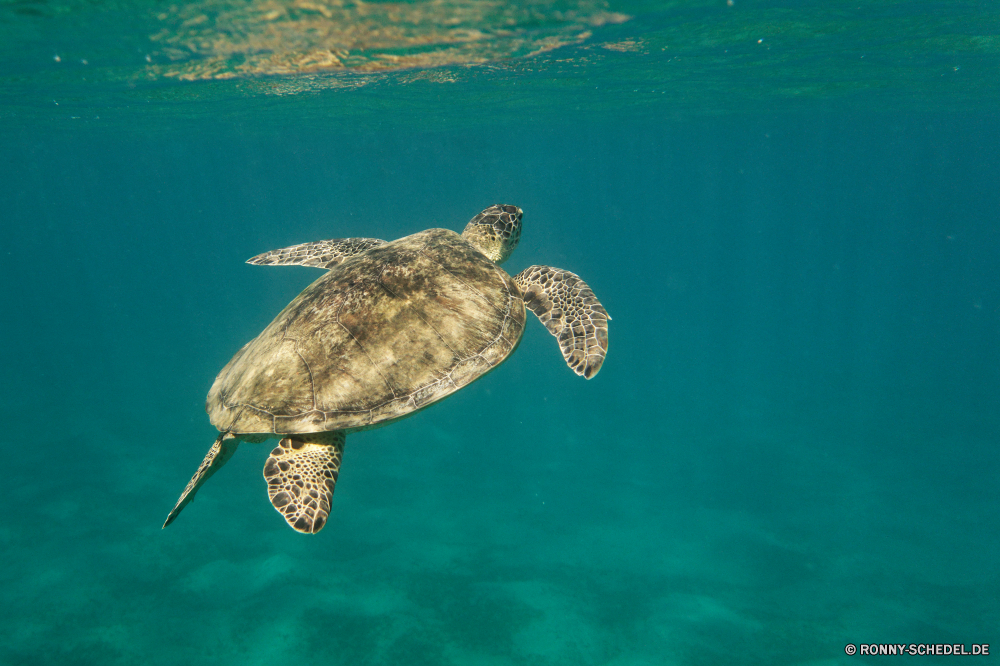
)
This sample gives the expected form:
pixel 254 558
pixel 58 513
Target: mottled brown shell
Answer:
pixel 381 335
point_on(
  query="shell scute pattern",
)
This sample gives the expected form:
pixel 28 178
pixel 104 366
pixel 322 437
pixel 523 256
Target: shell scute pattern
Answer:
pixel 382 334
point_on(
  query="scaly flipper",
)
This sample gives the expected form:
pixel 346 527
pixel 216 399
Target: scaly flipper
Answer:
pixel 221 451
pixel 321 254
pixel 300 479
pixel 568 308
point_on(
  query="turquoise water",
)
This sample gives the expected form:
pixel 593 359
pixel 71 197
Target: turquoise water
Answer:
pixel 790 210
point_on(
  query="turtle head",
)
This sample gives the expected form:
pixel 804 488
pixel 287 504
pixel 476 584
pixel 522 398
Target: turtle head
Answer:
pixel 495 232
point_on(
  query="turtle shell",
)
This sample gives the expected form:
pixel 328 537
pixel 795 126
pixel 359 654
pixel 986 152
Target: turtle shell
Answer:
pixel 378 337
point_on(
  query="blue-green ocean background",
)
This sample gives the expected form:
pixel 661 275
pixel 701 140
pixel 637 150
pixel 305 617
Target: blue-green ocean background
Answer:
pixel 792 445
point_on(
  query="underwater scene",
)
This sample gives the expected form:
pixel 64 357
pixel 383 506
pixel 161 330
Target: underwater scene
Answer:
pixel 790 211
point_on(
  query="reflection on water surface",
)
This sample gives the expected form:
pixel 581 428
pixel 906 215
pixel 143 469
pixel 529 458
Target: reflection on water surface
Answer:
pixel 221 39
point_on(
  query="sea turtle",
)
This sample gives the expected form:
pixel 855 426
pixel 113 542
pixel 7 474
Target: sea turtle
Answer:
pixel 389 329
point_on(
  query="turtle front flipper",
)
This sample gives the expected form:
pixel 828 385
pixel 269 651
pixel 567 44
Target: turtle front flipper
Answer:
pixel 321 254
pixel 570 310
pixel 218 455
pixel 301 476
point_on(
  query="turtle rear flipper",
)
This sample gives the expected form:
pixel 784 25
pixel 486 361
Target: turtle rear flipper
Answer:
pixel 570 310
pixel 301 476
pixel 218 455
pixel 320 254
